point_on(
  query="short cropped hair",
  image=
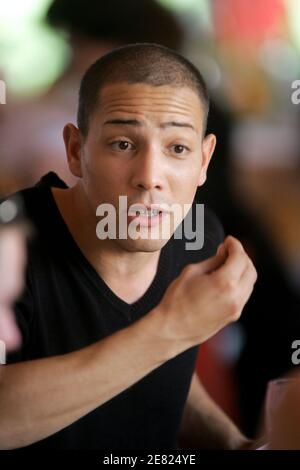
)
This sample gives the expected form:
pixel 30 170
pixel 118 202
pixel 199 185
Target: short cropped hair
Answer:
pixel 147 63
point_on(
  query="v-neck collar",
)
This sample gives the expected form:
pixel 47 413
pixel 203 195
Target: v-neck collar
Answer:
pixel 145 302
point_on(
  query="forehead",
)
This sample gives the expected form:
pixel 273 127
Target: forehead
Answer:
pixel 147 102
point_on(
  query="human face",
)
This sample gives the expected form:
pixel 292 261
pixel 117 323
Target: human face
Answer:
pixel 145 143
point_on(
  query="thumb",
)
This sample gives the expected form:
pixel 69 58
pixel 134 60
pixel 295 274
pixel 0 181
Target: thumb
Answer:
pixel 213 263
pixel 221 248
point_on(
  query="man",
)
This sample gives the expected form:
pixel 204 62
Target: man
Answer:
pixel 111 326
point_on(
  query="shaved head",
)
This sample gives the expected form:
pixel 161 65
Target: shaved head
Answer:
pixel 150 64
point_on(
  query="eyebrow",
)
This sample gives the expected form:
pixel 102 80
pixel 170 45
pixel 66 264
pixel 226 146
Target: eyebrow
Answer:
pixel 135 122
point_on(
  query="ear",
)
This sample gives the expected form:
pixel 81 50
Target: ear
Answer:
pixel 208 147
pixel 73 145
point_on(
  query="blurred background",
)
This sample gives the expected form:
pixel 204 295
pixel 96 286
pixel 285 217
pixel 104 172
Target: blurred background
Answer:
pixel 249 54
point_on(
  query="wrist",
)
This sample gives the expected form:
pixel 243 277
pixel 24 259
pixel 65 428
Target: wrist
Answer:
pixel 159 325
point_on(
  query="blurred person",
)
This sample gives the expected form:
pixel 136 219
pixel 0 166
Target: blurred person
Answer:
pixel 92 31
pixel 12 267
pixel 111 327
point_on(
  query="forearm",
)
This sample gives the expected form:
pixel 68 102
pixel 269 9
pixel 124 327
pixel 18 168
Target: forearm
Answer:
pixel 41 397
pixel 205 425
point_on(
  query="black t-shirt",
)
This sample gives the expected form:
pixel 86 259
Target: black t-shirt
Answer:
pixel 67 306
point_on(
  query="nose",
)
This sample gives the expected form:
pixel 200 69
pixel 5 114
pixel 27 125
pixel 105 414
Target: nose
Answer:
pixel 147 171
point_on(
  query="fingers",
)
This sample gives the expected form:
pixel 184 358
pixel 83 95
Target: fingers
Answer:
pixel 235 278
pixel 234 266
pixel 236 261
pixel 215 262
pixel 238 293
pixel 247 282
pixel 232 274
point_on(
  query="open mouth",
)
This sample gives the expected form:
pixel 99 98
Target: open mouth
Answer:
pixel 146 217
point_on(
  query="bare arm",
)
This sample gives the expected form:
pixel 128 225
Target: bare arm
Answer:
pixel 205 425
pixel 41 397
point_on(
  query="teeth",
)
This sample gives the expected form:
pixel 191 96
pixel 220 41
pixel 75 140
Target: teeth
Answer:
pixel 148 213
pixel 151 213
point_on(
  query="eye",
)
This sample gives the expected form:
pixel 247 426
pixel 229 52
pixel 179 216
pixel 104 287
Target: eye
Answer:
pixel 121 145
pixel 179 149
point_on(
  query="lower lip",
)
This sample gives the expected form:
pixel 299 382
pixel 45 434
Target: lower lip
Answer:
pixel 145 221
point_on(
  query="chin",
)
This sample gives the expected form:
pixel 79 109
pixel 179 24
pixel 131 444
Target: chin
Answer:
pixel 142 244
